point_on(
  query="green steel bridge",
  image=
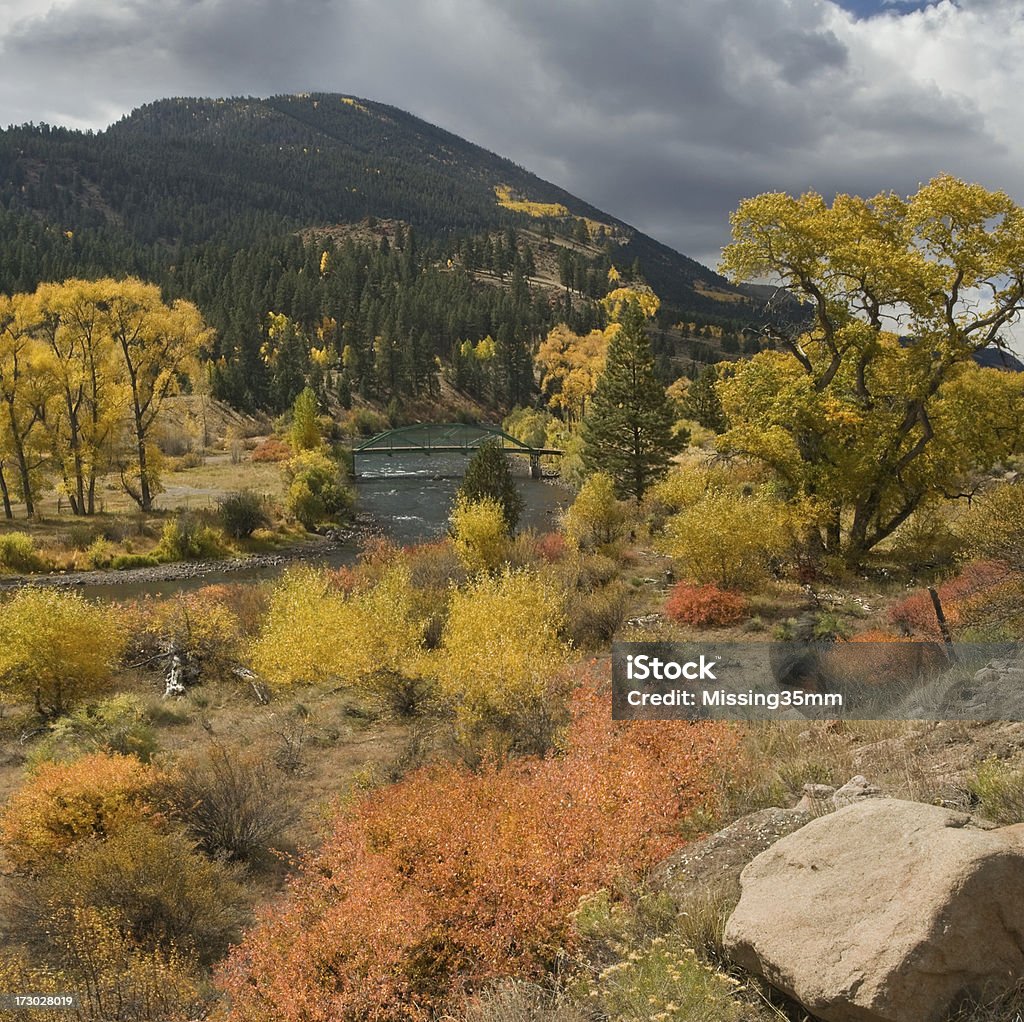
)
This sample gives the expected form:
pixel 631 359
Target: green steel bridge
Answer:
pixel 446 438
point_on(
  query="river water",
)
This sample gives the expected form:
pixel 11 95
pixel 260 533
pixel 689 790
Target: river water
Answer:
pixel 408 496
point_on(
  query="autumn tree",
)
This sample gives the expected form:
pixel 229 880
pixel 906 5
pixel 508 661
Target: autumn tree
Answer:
pixel 24 390
pixel 570 365
pixel 89 389
pixel 872 405
pixel 158 346
pixel 629 431
pixel 305 428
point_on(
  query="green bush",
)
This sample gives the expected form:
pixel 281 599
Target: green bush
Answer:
pixel 184 538
pixel 100 553
pixel 125 562
pixel 242 513
pixel 315 489
pixel 18 553
pixel 116 725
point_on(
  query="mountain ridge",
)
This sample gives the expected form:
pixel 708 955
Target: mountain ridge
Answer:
pixel 188 170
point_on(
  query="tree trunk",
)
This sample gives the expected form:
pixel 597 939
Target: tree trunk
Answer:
pixel 8 510
pixel 146 501
pixel 19 452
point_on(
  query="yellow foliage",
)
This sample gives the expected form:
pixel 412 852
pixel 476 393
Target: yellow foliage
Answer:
pixel 505 198
pixel 615 302
pixel 64 803
pixel 119 981
pixel 873 426
pixel 315 633
pixel 994 526
pixel 683 489
pixel 199 625
pixel 480 534
pixel 731 539
pixel 596 515
pixel 57 648
pixel 501 650
pixel 570 365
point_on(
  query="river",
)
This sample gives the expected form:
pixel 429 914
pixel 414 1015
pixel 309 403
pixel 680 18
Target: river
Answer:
pixel 409 498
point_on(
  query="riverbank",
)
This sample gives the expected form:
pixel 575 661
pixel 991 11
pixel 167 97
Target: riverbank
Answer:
pixel 316 548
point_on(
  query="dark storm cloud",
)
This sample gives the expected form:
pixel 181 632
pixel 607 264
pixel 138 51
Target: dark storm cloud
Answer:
pixel 665 114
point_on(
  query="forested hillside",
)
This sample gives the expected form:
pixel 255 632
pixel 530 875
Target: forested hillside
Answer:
pixel 431 242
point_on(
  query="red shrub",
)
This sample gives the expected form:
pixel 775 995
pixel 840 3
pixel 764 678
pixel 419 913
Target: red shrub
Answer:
pixel 451 878
pixel 272 449
pixel 916 613
pixel 705 606
pixel 551 546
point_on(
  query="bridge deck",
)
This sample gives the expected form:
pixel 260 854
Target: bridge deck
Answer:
pixel 450 449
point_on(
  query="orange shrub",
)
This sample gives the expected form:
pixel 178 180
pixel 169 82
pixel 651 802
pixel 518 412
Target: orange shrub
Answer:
pixel 916 613
pixel 272 449
pixel 705 606
pixel 451 878
pixel 63 803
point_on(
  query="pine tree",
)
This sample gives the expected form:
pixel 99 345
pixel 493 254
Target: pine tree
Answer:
pixel 702 403
pixel 488 475
pixel 629 430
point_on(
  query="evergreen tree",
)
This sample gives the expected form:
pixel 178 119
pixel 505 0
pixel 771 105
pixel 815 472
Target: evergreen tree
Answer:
pixel 702 403
pixel 629 429
pixel 488 475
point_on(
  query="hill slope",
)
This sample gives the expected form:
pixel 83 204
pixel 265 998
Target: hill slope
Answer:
pixel 184 172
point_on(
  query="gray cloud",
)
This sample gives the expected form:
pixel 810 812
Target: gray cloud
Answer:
pixel 662 113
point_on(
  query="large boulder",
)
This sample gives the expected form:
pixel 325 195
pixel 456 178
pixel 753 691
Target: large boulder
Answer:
pixel 884 911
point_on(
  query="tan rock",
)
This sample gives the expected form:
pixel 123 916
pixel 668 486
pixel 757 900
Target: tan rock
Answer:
pixel 884 911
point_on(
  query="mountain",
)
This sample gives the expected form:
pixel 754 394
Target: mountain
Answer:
pixel 184 172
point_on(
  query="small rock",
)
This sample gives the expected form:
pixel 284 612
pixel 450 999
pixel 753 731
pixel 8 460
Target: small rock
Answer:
pixel 855 790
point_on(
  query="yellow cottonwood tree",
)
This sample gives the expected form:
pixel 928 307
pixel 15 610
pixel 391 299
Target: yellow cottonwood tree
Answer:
pixel 159 344
pixel 24 391
pixel 872 405
pixel 570 365
pixel 83 419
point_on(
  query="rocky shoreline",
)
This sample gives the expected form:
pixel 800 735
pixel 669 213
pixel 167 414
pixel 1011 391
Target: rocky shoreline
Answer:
pixel 361 528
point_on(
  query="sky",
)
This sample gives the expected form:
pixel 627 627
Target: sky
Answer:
pixel 664 113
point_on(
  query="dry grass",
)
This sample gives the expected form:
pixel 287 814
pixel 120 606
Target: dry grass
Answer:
pixel 779 758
